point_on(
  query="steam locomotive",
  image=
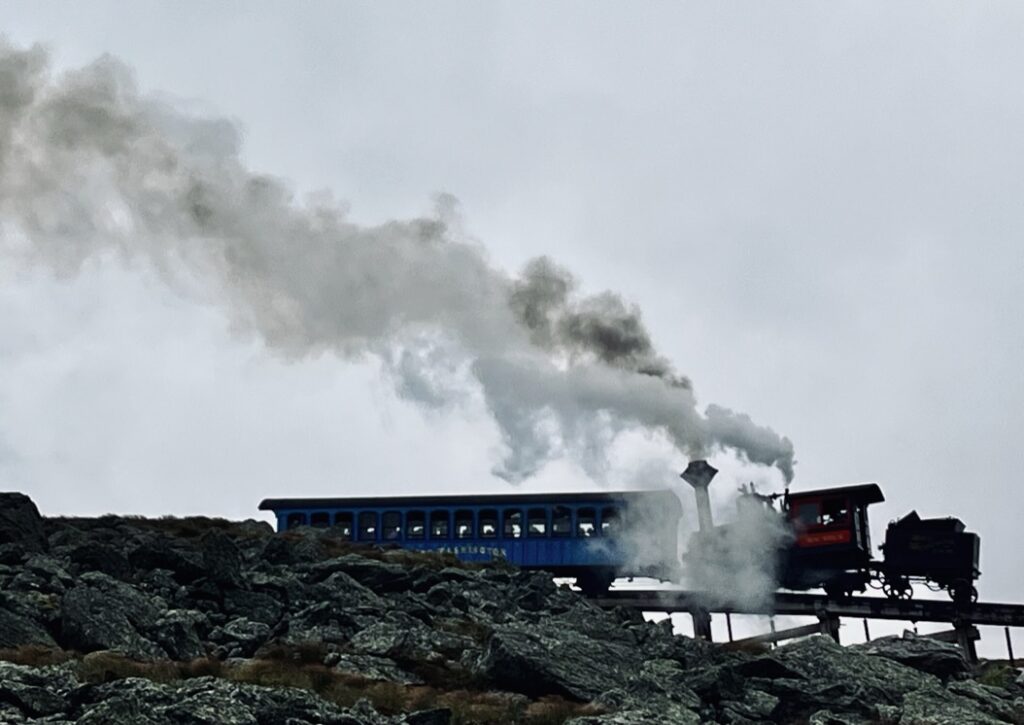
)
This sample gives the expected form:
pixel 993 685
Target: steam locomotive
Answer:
pixel 828 543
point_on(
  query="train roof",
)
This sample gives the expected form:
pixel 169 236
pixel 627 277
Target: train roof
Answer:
pixel 861 493
pixel 665 496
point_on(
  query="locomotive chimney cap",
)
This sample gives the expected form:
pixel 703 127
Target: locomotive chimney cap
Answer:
pixel 699 473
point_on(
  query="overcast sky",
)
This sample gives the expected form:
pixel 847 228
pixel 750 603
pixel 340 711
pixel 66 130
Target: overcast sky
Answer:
pixel 819 208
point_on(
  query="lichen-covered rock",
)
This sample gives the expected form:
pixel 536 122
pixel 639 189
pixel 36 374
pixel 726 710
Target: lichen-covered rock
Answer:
pixel 257 606
pixel 222 559
pixel 177 632
pixel 994 701
pixel 241 637
pixel 753 705
pixel 20 523
pixel 373 668
pixel 541 660
pixel 938 706
pixel 841 679
pixel 17 630
pixel 163 552
pixel 942 659
pixel 101 557
pixel 35 692
pixel 41 573
pixel 827 717
pixel 103 613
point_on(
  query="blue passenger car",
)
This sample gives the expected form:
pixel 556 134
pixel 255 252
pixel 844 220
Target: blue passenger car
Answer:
pixel 591 536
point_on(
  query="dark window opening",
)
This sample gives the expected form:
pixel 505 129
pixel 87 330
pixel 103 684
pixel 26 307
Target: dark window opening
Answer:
pixel 807 513
pixel 586 523
pixel 415 525
pixel 320 520
pixel 464 524
pixel 561 521
pixel 343 524
pixel 609 521
pixel 439 525
pixel 295 520
pixel 834 512
pixel 368 526
pixel 391 526
pixel 513 524
pixel 537 522
pixel 488 524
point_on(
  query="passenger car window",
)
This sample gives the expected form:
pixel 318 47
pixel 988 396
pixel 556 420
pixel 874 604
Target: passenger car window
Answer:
pixel 585 523
pixel 609 520
pixel 464 524
pixel 513 526
pixel 368 526
pixel 488 524
pixel 415 525
pixel 561 522
pixel 537 522
pixel 439 525
pixel 296 520
pixel 343 524
pixel 391 527
pixel 320 520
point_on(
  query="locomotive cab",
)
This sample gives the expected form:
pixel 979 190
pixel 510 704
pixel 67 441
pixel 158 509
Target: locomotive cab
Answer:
pixel 831 539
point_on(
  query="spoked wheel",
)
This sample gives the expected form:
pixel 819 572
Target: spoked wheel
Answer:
pixel 897 589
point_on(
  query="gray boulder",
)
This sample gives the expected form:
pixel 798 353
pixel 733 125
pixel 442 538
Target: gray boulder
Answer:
pixel 257 606
pixel 17 630
pixel 241 637
pixel 827 717
pixel 324 623
pixel 40 573
pixel 176 631
pixel 221 557
pixel 210 701
pixel 20 523
pixel 937 706
pixel 942 659
pixel 373 668
pixel 542 660
pixel 102 613
pixel 164 552
pixel 35 691
pixel 753 706
pixel 832 677
pixel 996 702
pixel 101 557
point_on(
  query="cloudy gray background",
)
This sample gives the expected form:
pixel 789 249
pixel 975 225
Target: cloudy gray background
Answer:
pixel 819 208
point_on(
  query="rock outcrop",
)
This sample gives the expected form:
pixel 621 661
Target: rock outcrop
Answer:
pixel 116 620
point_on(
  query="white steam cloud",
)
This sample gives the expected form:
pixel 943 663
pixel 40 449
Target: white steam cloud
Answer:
pixel 738 564
pixel 90 167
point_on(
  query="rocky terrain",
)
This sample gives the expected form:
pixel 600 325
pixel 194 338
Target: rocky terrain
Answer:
pixel 121 620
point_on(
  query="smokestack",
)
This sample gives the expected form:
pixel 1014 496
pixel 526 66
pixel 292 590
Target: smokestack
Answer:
pixel 699 474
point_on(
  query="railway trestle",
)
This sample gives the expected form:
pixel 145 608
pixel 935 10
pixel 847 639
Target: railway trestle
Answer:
pixel 963 618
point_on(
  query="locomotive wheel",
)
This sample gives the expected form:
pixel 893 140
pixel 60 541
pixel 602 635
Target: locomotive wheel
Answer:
pixel 897 589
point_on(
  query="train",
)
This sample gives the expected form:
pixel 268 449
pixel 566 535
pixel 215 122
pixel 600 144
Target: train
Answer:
pixel 595 538
pixel 579 536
